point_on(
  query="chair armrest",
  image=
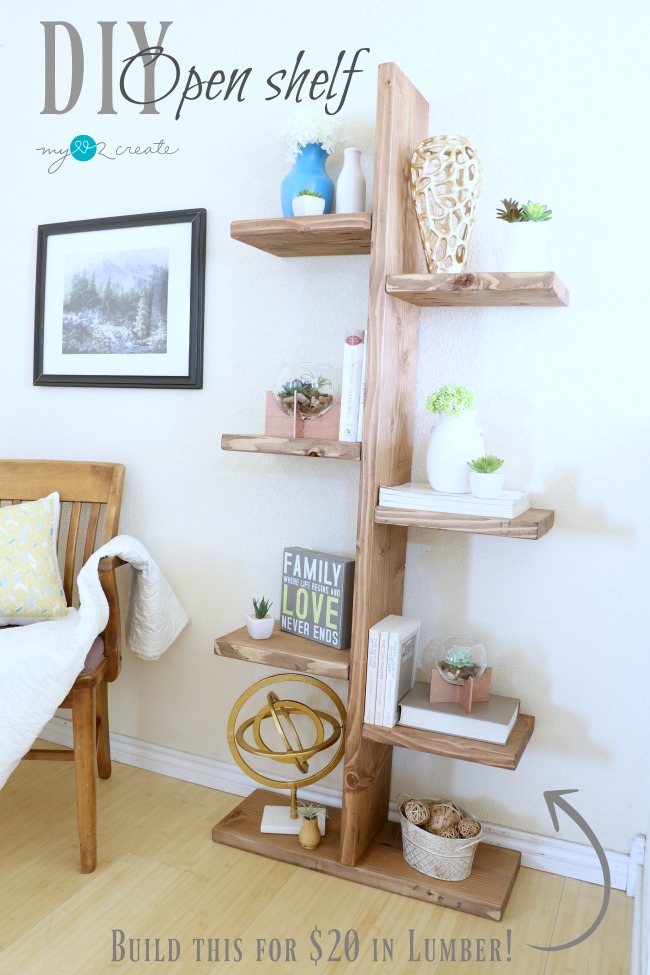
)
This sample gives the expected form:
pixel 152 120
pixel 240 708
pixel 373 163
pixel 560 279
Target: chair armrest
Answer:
pixel 108 563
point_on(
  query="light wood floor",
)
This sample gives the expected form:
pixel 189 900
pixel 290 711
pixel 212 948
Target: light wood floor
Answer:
pixel 160 876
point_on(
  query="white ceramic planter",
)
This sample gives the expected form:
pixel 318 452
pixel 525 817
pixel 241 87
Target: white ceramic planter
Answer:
pixel 487 485
pixel 526 246
pixel 307 206
pixel 260 629
pixel 455 440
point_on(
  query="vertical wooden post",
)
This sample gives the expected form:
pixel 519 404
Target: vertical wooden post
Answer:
pixel 402 120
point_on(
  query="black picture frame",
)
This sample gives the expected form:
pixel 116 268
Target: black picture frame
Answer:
pixel 154 259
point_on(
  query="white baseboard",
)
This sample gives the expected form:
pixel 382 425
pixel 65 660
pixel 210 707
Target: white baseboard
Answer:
pixel 546 853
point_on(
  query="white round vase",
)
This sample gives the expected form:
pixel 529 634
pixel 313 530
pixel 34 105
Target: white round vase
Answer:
pixel 351 184
pixel 455 440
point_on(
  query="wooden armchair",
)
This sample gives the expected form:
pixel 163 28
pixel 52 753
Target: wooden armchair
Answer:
pixel 91 496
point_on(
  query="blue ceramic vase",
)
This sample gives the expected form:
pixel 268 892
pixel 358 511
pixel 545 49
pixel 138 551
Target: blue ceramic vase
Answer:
pixel 308 173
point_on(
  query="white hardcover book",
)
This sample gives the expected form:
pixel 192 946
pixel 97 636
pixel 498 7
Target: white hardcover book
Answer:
pixel 371 675
pixel 421 497
pixel 490 721
pixel 382 660
pixel 362 394
pixel 400 666
pixel 351 385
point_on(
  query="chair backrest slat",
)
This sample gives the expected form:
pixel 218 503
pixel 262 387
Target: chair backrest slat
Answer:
pixel 92 493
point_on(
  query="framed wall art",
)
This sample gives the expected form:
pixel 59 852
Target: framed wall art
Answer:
pixel 119 301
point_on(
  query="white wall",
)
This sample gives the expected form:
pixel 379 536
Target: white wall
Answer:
pixel 551 95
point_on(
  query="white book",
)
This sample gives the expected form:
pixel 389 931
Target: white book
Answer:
pixel 490 721
pixel 351 385
pixel 422 497
pixel 371 675
pixel 382 661
pixel 362 394
pixel 400 666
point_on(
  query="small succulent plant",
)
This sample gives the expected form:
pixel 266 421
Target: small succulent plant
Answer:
pixel 485 465
pixel 458 659
pixel 261 608
pixel 307 385
pixel 535 212
pixel 513 212
pixel 450 399
pixel 310 193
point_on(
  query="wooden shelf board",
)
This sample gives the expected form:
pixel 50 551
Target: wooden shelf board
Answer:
pixel 486 288
pixel 484 893
pixel 296 446
pixel 451 746
pixel 285 651
pixel 532 524
pixel 326 235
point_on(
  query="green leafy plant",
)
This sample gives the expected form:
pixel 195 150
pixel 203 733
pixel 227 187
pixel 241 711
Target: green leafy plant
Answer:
pixel 513 212
pixel 535 212
pixel 306 385
pixel 485 465
pixel 261 608
pixel 310 193
pixel 450 399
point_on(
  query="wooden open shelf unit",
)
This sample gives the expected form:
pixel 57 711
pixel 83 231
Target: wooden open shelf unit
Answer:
pixel 323 236
pixel 296 446
pixel 484 893
pixel 286 651
pixel 532 524
pixel 480 290
pixel 361 844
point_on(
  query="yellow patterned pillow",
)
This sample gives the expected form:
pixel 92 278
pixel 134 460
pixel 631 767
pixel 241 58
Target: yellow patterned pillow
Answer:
pixel 30 584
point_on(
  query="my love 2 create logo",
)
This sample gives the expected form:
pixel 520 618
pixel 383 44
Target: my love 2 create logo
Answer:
pixel 83 148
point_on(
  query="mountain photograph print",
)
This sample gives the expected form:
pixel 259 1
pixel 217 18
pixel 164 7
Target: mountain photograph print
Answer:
pixel 119 301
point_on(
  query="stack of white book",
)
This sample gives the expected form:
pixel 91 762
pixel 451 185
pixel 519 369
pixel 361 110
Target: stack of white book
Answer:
pixel 391 667
pixel 422 497
pixel 490 721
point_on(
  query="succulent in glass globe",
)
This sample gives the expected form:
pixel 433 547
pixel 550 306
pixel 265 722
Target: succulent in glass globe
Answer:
pixel 310 385
pixel 461 657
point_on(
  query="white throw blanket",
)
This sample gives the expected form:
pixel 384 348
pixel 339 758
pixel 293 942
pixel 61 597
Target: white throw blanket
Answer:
pixel 40 662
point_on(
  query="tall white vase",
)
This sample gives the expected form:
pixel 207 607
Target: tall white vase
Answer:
pixel 455 440
pixel 351 184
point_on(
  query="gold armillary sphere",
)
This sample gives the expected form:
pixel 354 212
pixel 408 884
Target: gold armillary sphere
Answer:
pixel 278 713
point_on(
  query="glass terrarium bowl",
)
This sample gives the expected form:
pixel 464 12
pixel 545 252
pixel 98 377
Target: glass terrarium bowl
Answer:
pixel 313 385
pixel 461 657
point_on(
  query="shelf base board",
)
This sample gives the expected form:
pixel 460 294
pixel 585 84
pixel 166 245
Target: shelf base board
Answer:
pixel 485 893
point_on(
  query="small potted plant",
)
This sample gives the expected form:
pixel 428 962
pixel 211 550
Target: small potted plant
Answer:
pixel 461 657
pixel 309 835
pixel 486 476
pixel 308 203
pixel 455 439
pixel 526 247
pixel 260 624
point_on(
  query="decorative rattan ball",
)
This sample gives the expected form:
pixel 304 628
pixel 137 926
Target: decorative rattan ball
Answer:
pixel 444 814
pixel 416 811
pixel 469 827
pixel 450 832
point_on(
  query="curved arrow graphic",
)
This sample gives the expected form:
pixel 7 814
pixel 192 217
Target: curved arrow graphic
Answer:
pixel 553 799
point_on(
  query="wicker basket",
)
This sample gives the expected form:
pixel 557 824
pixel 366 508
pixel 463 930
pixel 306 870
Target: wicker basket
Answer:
pixel 437 856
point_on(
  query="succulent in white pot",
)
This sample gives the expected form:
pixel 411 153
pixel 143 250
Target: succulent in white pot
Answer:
pixel 486 476
pixel 308 203
pixel 259 624
pixel 526 243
